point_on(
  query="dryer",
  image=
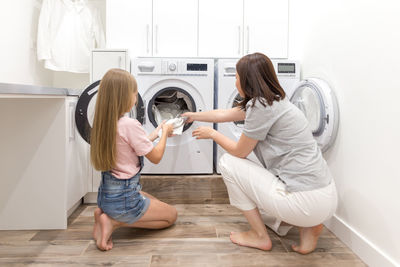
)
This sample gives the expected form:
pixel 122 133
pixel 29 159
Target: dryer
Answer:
pixel 185 84
pixel 288 73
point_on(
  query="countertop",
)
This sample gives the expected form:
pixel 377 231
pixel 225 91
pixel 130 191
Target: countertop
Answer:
pixel 23 89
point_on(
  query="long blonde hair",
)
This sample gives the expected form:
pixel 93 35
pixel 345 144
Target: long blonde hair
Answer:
pixel 114 99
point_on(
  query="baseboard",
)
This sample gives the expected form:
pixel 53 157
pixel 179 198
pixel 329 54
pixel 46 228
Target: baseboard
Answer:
pixel 90 198
pixel 361 246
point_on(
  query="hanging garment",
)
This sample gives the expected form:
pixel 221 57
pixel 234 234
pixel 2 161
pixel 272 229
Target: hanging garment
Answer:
pixel 67 32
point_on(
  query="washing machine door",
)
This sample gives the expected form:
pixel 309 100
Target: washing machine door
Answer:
pixel 85 108
pixel 318 102
pixel 168 103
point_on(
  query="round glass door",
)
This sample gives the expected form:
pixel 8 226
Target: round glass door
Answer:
pixel 318 103
pixel 309 100
pixel 85 109
pixel 170 103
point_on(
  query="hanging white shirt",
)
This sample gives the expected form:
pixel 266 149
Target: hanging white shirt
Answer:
pixel 68 30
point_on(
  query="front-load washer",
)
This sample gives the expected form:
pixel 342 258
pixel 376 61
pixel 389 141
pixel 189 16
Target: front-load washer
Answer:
pixel 288 73
pixel 171 86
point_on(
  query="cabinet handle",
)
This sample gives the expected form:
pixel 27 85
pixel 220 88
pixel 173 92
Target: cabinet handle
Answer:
pixel 248 39
pixel 147 38
pixel 119 61
pixel 239 40
pixel 156 39
pixel 71 121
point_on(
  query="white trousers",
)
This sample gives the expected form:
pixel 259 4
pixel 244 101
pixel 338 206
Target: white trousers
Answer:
pixel 250 185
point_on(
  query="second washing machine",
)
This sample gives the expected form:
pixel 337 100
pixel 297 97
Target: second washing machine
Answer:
pixel 288 73
pixel 170 87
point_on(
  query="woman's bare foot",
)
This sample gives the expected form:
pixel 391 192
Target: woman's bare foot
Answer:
pixel 107 225
pixel 96 226
pixel 251 239
pixel 308 239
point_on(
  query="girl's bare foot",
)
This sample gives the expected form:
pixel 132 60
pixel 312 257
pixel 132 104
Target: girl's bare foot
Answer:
pixel 104 241
pixel 308 239
pixel 251 239
pixel 96 226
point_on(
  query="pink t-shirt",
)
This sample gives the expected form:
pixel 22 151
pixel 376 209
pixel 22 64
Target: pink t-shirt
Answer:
pixel 132 142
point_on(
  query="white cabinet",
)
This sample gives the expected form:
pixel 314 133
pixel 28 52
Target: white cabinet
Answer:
pixel 266 27
pixel 44 168
pixel 205 28
pixel 104 59
pixel 77 157
pixel 232 28
pixel 129 25
pixel 220 28
pixel 175 28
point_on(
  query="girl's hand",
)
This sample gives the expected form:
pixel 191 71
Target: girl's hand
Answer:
pixel 154 135
pixel 189 116
pixel 168 129
pixel 203 132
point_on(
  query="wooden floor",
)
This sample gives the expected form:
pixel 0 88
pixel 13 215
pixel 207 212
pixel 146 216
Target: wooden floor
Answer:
pixel 200 237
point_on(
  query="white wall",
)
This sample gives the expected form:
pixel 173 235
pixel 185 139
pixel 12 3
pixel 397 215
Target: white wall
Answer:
pixel 355 47
pixel 18 30
pixel 18 34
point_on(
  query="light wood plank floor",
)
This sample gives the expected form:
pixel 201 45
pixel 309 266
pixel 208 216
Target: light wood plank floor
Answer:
pixel 200 237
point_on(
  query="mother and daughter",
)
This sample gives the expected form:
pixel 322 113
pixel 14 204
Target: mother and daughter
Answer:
pixel 293 185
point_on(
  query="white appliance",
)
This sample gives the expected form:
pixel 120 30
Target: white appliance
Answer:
pixel 288 73
pixel 187 83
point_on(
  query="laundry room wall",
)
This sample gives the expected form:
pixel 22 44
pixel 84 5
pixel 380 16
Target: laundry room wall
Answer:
pixel 18 20
pixel 19 24
pixel 354 46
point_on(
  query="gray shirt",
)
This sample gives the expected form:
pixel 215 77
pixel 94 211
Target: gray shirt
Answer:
pixel 286 146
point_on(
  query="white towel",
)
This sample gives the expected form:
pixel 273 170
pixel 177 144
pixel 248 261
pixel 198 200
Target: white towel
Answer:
pixel 177 123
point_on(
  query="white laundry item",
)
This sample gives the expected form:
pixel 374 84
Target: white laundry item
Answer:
pixel 67 32
pixel 178 124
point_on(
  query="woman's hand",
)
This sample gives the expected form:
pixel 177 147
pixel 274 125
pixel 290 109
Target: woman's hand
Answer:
pixel 154 134
pixel 168 129
pixel 203 132
pixel 189 116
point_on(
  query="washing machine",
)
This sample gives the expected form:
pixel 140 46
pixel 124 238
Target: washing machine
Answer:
pixel 313 96
pixel 177 85
pixel 288 73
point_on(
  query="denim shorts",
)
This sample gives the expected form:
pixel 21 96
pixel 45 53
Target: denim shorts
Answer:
pixel 120 198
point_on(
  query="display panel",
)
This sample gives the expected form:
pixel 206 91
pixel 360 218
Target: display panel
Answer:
pixel 196 67
pixel 286 67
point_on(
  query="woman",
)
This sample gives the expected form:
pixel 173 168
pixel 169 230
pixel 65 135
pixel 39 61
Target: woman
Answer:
pixel 294 184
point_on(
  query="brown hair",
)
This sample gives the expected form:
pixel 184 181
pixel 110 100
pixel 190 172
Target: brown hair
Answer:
pixel 258 80
pixel 114 99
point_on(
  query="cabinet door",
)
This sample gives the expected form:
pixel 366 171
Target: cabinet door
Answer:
pixel 266 27
pixel 102 61
pixel 77 158
pixel 220 28
pixel 175 28
pixel 128 25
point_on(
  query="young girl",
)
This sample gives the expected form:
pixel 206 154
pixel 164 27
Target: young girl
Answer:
pixel 118 144
pixel 294 185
